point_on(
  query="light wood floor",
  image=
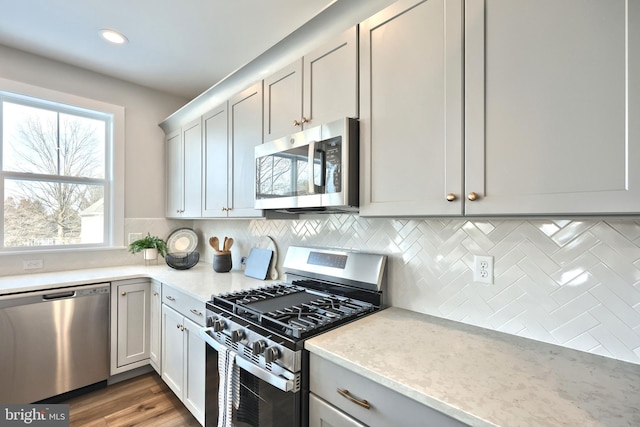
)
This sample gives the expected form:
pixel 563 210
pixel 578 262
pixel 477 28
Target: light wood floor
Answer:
pixel 142 401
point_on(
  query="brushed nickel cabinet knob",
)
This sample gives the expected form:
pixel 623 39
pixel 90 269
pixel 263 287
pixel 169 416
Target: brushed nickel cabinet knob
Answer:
pixel 472 196
pixel 451 197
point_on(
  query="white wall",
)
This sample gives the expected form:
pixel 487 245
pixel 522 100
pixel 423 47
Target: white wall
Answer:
pixel 571 282
pixel 144 151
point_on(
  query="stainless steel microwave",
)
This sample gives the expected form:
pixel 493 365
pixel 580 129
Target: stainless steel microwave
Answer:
pixel 314 170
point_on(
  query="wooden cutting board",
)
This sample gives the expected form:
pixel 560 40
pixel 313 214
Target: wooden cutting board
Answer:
pixel 258 263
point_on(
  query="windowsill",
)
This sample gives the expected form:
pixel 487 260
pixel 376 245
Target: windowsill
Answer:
pixel 62 251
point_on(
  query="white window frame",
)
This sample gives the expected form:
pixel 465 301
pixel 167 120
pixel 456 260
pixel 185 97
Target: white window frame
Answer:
pixel 114 170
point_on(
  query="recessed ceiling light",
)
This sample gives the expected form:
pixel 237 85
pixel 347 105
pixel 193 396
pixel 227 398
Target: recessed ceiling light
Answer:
pixel 113 36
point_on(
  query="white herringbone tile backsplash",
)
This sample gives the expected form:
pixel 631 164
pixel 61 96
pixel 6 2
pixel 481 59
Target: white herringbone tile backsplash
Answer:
pixel 575 283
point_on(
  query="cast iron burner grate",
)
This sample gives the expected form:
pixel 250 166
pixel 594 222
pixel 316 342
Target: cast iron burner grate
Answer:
pixel 292 310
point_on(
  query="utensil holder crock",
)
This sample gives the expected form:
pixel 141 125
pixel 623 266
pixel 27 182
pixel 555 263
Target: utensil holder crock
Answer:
pixel 222 262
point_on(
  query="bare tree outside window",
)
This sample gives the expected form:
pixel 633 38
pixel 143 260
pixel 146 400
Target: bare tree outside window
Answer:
pixel 54 176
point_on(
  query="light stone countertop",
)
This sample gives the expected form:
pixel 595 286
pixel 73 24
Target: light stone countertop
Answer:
pixel 200 281
pixel 483 377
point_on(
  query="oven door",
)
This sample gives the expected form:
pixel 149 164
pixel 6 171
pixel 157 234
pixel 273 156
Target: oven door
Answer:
pixel 254 396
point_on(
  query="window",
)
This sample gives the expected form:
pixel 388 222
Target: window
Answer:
pixel 57 177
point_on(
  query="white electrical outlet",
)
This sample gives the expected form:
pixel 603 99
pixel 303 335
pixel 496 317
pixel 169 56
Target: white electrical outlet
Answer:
pixel 134 236
pixel 32 264
pixel 483 269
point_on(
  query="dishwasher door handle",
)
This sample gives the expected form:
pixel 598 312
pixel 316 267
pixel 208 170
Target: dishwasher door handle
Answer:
pixel 59 295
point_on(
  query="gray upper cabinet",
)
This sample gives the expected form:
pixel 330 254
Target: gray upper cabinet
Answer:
pixel 183 167
pixel 245 133
pixel 411 109
pixel 551 105
pixel 215 154
pixel 231 132
pixel 283 102
pixel 550 93
pixel 321 87
pixel 330 84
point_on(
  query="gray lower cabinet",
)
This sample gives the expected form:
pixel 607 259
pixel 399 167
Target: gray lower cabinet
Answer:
pixel 155 326
pixel 130 305
pixel 183 351
pixel 322 414
pixel 342 398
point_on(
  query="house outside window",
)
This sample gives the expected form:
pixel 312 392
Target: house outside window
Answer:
pixel 57 177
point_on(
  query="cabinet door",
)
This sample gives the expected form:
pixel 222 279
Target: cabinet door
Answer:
pixel 283 102
pixel 192 142
pixel 411 109
pixel 133 323
pixel 175 178
pixel 551 102
pixel 215 154
pixel 172 350
pixel 155 326
pixel 330 83
pixel 245 133
pixel 194 370
pixel 321 414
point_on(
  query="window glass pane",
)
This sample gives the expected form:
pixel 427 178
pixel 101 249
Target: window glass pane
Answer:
pixel 42 213
pixel 82 144
pixel 37 140
pixel 29 139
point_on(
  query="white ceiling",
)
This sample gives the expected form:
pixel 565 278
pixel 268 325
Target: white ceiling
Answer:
pixel 181 47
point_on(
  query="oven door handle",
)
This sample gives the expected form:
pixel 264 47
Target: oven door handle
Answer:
pixel 277 381
pixel 204 334
pixel 281 383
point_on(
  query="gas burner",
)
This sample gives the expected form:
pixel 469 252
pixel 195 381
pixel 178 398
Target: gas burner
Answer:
pixel 292 310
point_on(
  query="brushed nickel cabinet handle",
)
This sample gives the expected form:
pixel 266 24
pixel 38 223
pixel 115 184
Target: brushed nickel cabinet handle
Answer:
pixel 196 312
pixel 170 298
pixel 345 393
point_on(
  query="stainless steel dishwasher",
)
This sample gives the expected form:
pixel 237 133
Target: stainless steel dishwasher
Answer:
pixel 53 341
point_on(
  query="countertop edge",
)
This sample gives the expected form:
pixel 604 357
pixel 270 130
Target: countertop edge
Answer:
pixel 199 282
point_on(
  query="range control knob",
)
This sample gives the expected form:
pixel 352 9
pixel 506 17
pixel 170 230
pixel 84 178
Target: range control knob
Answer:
pixel 219 325
pixel 271 354
pixel 237 335
pixel 258 347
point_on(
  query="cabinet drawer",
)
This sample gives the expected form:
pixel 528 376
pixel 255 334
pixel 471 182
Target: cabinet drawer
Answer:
pixel 322 414
pixel 387 407
pixel 184 304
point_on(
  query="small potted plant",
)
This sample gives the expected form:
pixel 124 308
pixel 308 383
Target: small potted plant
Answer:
pixel 150 246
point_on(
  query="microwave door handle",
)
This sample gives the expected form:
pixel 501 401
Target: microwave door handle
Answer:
pixel 311 154
pixel 314 187
pixel 323 168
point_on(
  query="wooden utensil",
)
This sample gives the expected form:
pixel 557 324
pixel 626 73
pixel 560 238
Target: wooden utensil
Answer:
pixel 228 243
pixel 214 243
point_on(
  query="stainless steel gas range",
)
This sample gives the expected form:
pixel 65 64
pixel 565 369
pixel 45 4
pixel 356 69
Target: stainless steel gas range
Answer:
pixel 257 368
